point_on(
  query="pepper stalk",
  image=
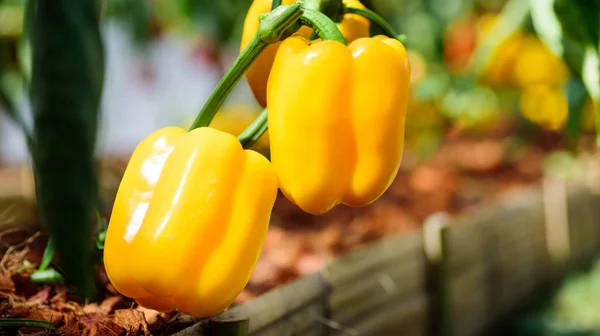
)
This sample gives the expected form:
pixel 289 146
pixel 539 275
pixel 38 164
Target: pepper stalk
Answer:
pixel 376 19
pixel 326 29
pixel 272 27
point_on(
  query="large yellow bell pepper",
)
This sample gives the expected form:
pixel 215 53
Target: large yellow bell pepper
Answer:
pixel 352 26
pixel 336 119
pixel 189 220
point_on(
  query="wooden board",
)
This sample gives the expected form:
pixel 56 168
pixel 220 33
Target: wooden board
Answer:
pixel 509 222
pixel 493 261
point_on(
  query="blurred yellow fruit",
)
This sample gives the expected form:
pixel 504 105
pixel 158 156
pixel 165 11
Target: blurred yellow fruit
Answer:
pixel 233 119
pixel 545 106
pixel 536 64
pixel 499 68
pixel 418 66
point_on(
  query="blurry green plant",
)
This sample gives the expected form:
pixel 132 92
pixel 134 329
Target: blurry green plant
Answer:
pixel 66 85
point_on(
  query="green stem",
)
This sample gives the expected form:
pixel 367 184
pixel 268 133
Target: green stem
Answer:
pixel 275 4
pixel 227 83
pixel 322 25
pixel 271 29
pixel 254 131
pixel 19 322
pixel 378 20
pixel 333 9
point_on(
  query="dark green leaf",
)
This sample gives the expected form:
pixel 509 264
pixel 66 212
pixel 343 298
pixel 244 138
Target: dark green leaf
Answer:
pixel 571 30
pixel 576 95
pixel 66 85
pixel 49 275
pixel 48 255
pixel 19 322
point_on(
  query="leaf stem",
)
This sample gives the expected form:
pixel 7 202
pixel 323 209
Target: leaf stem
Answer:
pixel 378 20
pixel 322 25
pixel 254 131
pixel 271 28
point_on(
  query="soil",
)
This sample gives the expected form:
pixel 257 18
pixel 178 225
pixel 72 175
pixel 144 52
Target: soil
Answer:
pixel 464 173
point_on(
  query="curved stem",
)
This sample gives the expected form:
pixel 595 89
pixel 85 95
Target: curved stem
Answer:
pixel 254 131
pixel 322 25
pixel 270 30
pixel 378 20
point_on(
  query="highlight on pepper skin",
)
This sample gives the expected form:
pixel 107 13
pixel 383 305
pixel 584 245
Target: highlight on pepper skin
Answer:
pixel 197 204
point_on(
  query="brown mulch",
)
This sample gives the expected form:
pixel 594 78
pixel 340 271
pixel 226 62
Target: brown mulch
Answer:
pixel 464 173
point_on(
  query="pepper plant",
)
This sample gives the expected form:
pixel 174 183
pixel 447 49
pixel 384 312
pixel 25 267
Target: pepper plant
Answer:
pixel 184 184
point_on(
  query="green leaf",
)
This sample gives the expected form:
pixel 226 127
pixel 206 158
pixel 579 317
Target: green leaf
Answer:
pixel 48 255
pixel 576 95
pixel 571 29
pixel 66 85
pixel 49 275
pixel 19 322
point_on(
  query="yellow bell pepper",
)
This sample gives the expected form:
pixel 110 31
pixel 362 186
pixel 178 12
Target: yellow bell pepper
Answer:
pixel 352 27
pixel 189 221
pixel 498 69
pixel 537 64
pixel 545 106
pixel 336 119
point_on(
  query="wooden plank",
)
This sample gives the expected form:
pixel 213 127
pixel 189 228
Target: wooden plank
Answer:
pixel 514 217
pixel 364 262
pixel 490 238
pixel 349 302
pixel 583 227
pixel 283 311
pixel 279 304
pixel 304 321
pixel 487 282
pixel 405 317
pixel 464 245
pixel 471 322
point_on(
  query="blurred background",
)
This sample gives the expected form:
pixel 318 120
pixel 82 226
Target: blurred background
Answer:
pixel 163 58
pixel 480 123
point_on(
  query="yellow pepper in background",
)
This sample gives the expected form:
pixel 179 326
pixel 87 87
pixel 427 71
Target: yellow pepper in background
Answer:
pixel 537 64
pixel 545 106
pixel 498 70
pixel 189 221
pixel 352 27
pixel 336 119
